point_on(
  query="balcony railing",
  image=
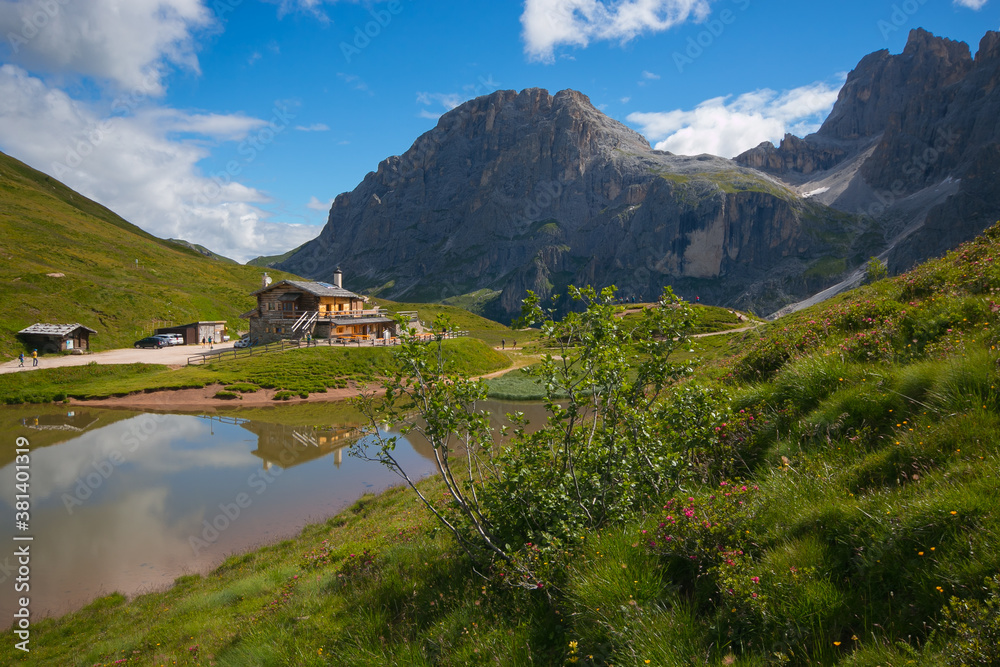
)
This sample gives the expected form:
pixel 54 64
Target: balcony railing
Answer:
pixel 336 314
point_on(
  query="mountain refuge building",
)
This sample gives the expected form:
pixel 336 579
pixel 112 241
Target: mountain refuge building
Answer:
pixel 290 309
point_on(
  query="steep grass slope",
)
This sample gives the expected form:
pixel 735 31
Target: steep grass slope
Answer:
pixel 47 228
pixel 840 509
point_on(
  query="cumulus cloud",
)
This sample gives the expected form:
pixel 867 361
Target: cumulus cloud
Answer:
pixel 971 4
pixel 447 102
pixel 317 205
pixel 129 43
pixel 144 164
pixel 548 24
pixel 727 127
pixel 315 127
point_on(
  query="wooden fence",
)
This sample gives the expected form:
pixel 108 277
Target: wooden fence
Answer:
pixel 239 352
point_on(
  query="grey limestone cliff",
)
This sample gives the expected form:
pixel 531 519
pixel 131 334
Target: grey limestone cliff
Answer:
pixel 526 190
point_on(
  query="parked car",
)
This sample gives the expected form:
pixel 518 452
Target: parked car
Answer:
pixel 243 342
pixel 152 341
pixel 171 338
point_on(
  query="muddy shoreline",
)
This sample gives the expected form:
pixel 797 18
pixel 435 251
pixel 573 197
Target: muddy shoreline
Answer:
pixel 203 399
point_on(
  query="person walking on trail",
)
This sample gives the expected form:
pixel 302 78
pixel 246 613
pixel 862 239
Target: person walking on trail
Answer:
pixel 210 343
pixel 503 343
pixel 203 341
pixel 34 357
pixel 20 359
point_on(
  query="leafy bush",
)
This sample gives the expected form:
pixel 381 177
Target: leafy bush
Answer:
pixel 242 387
pixel 876 270
pixel 971 628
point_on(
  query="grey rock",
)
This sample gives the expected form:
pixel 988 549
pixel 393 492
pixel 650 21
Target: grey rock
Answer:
pixel 911 142
pixel 517 191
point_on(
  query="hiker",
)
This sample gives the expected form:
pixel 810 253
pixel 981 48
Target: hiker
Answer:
pixel 503 343
pixel 20 359
pixel 34 357
pixel 514 346
pixel 210 343
pixel 203 341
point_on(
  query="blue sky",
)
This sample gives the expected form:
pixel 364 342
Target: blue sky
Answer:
pixel 234 123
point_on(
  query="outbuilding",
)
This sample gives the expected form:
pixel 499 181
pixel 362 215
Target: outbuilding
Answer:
pixel 56 337
pixel 195 332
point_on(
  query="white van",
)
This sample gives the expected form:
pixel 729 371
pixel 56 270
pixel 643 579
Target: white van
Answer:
pixel 171 338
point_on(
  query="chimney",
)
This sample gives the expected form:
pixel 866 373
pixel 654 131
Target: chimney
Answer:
pixel 338 277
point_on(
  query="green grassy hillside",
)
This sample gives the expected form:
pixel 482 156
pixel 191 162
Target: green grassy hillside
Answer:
pixel 46 228
pixel 265 261
pixel 835 503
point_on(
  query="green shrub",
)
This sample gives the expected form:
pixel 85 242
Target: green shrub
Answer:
pixel 970 628
pixel 242 387
pixel 227 394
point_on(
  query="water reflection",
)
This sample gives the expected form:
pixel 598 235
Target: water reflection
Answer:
pixel 127 501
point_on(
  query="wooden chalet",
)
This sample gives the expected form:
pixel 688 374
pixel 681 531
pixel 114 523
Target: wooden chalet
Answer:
pixel 56 337
pixel 294 308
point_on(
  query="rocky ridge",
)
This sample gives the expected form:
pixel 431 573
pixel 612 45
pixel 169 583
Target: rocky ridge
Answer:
pixel 526 190
pixel 913 142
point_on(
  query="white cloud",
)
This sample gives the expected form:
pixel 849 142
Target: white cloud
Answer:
pixel 721 126
pixel 975 5
pixel 129 43
pixel 548 24
pixel 315 127
pixel 138 166
pixel 224 127
pixel 355 82
pixel 646 74
pixel 447 101
pixel 626 100
pixel 317 205
pixel 313 8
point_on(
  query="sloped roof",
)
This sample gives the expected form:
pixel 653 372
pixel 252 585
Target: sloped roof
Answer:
pixel 54 329
pixel 314 288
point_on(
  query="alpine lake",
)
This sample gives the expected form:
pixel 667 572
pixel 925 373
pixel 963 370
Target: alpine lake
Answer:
pixel 129 501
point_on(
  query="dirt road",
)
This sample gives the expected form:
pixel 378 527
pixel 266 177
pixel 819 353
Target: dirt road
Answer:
pixel 175 355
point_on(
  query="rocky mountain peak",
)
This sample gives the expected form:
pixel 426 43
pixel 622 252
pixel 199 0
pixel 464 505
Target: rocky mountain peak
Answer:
pixel 989 49
pixel 880 82
pixel 527 190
